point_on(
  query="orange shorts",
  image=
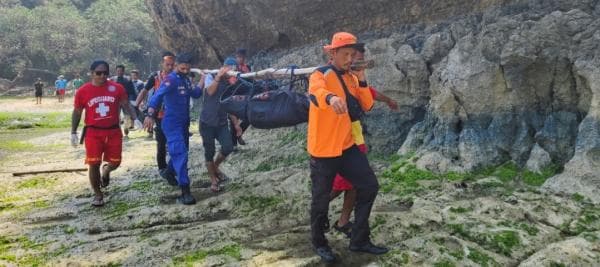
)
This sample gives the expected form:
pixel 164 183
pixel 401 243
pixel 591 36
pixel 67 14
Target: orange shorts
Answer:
pixel 103 145
pixel 339 182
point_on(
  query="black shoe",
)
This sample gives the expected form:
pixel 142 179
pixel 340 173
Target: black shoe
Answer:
pixel 186 197
pixel 369 248
pixel 326 254
pixel 327 226
pixel 169 176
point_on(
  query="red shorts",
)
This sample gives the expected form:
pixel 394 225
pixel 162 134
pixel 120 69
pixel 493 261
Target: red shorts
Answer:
pixel 103 145
pixel 339 182
pixel 61 91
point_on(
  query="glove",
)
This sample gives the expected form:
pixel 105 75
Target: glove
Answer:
pixel 74 140
pixel 137 124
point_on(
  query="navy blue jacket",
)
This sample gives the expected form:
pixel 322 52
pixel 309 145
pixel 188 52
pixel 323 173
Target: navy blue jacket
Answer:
pixel 175 91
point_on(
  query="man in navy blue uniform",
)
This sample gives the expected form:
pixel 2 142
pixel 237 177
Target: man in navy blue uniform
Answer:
pixel 175 93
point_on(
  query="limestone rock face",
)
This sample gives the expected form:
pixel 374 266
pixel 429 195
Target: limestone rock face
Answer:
pixel 538 160
pixel 479 83
pixel 214 28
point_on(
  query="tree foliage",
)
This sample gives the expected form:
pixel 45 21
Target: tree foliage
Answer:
pixel 64 36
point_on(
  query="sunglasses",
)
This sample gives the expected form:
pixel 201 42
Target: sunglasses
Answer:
pixel 100 73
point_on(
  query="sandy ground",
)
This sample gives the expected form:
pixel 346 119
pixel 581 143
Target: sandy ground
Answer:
pixel 261 216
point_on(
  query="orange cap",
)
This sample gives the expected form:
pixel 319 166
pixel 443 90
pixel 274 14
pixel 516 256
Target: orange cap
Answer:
pixel 341 39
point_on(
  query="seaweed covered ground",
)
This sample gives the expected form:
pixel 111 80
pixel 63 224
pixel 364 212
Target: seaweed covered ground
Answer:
pixel 491 217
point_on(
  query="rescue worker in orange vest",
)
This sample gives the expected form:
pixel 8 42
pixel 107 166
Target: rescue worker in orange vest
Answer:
pixel 154 81
pixel 339 96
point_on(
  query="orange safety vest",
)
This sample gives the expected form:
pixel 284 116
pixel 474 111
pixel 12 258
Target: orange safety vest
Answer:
pixel 157 81
pixel 329 134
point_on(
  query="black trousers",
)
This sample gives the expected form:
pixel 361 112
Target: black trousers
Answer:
pixel 354 166
pixel 161 146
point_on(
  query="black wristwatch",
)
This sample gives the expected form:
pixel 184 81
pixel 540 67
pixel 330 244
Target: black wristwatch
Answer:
pixel 148 114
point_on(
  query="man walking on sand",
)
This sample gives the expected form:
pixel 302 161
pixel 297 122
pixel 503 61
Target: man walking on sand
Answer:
pixel 150 88
pixel 61 86
pixel 38 91
pixel 175 93
pixel 102 100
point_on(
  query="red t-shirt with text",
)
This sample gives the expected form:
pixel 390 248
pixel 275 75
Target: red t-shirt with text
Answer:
pixel 101 103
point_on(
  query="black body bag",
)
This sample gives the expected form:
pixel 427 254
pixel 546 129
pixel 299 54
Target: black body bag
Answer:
pixel 277 108
pixel 274 108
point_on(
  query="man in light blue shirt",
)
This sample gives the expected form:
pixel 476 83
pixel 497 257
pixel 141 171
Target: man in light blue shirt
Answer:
pixel 61 87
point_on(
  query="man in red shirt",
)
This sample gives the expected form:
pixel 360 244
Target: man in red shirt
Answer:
pixel 340 184
pixel 102 100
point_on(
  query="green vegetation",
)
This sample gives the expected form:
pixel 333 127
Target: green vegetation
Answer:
pixel 537 179
pixel 116 209
pixel 405 179
pixel 578 197
pixel 374 156
pixel 293 137
pixel 281 161
pixel 14 145
pixel 588 221
pixel 233 251
pixel 67 229
pixel 403 176
pixel 34 254
pixel 506 172
pixel 36 182
pixel 379 221
pixel 529 229
pixel 458 254
pixel 63 35
pixel 503 242
pixel 481 258
pixel 21 120
pixel 19 204
pixel 142 186
pixel 444 263
pixel 395 257
pixel 251 203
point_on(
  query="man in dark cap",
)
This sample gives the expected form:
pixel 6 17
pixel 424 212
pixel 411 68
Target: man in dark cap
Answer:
pixel 213 122
pixel 175 92
pixel 101 99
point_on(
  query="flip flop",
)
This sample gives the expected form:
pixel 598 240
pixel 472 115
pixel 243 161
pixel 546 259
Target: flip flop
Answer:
pixel 345 229
pixel 215 188
pixel 221 177
pixel 98 202
pixel 105 176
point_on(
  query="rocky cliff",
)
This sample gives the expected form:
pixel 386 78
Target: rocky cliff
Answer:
pixel 480 83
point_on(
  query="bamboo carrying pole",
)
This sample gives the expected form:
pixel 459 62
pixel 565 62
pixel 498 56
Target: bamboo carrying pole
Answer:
pixel 262 73
pixel 271 72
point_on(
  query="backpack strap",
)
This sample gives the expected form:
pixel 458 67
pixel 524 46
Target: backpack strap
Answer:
pixel 354 109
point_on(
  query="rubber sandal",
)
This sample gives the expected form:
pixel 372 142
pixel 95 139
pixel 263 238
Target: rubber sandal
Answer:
pixel 98 202
pixel 345 229
pixel 105 176
pixel 215 188
pixel 221 177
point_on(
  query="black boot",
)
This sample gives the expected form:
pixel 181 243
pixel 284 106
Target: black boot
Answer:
pixel 186 197
pixel 168 175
